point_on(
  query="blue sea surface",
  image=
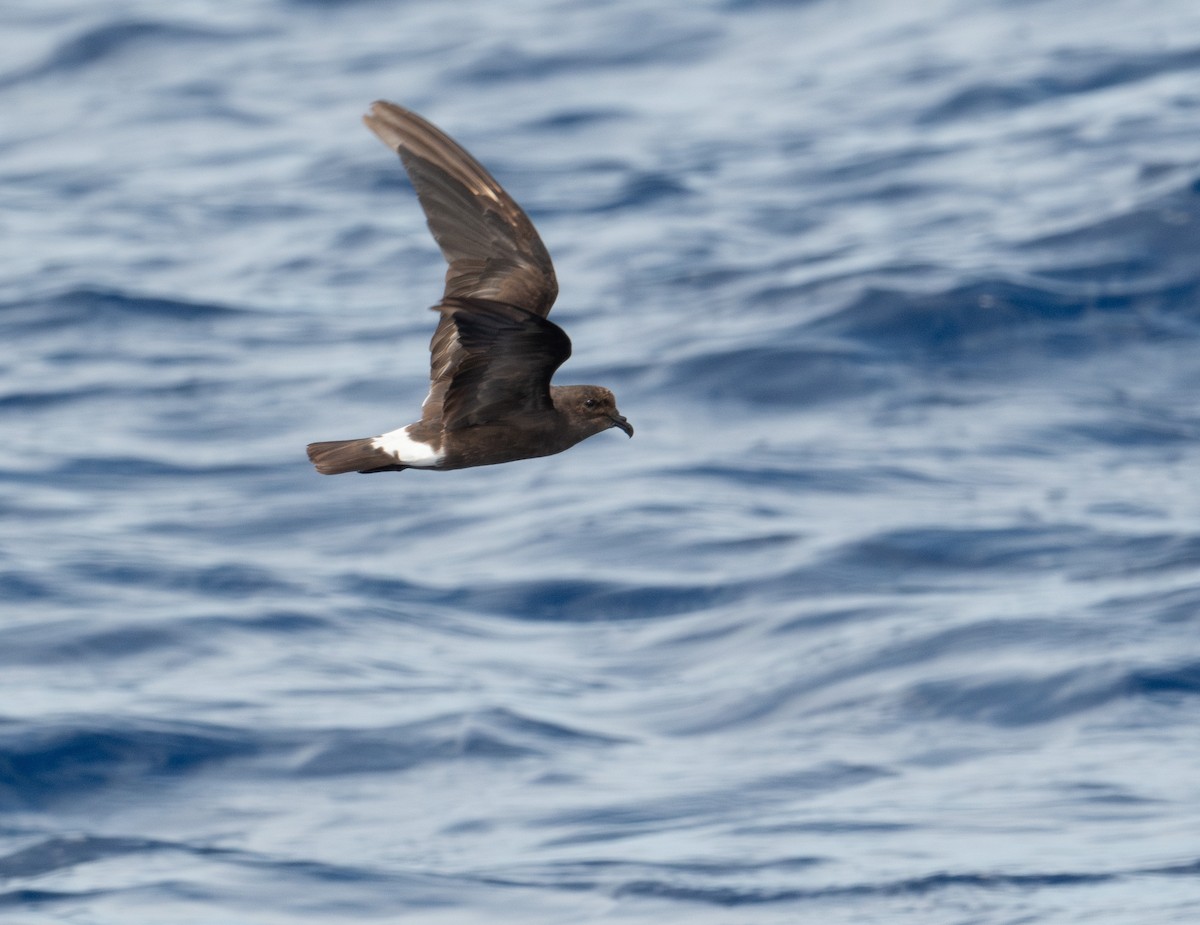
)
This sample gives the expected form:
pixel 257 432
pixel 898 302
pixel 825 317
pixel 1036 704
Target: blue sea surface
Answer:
pixel 890 612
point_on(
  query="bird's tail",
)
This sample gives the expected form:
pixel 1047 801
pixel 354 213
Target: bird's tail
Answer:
pixel 336 456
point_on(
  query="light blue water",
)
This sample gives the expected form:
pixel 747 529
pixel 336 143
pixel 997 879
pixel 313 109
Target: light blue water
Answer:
pixel 888 613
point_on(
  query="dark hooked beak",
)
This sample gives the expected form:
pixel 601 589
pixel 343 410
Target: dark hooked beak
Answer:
pixel 618 420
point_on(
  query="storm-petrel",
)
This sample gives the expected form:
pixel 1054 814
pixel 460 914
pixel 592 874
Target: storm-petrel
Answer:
pixel 493 352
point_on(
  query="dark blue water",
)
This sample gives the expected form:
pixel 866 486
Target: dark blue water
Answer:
pixel 889 613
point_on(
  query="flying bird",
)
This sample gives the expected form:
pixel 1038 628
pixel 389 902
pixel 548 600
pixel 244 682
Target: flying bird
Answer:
pixel 494 350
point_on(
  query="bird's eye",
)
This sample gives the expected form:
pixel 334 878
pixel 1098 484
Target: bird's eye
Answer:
pixel 590 403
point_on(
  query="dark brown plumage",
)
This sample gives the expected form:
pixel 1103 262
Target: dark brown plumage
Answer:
pixel 494 350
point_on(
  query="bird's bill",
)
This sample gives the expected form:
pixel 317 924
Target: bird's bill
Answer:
pixel 618 420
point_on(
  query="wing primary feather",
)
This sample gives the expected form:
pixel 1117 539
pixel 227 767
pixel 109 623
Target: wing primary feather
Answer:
pixel 492 248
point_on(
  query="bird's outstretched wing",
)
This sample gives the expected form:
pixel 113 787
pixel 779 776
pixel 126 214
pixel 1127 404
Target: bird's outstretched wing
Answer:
pixel 509 356
pixel 493 251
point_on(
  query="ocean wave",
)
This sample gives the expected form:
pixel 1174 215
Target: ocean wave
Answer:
pixel 86 305
pixel 489 735
pixel 108 40
pixel 1069 73
pixel 48 763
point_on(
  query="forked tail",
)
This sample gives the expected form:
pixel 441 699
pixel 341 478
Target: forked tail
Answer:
pixel 333 457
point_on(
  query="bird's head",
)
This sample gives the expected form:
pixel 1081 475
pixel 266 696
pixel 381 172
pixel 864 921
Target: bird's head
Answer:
pixel 591 408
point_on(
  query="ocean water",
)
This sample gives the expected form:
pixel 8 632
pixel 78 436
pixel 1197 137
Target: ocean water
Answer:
pixel 888 613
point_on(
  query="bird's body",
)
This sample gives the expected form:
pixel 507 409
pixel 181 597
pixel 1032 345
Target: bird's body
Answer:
pixel 494 351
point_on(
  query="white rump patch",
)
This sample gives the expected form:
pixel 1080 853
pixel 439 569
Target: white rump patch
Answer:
pixel 406 450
